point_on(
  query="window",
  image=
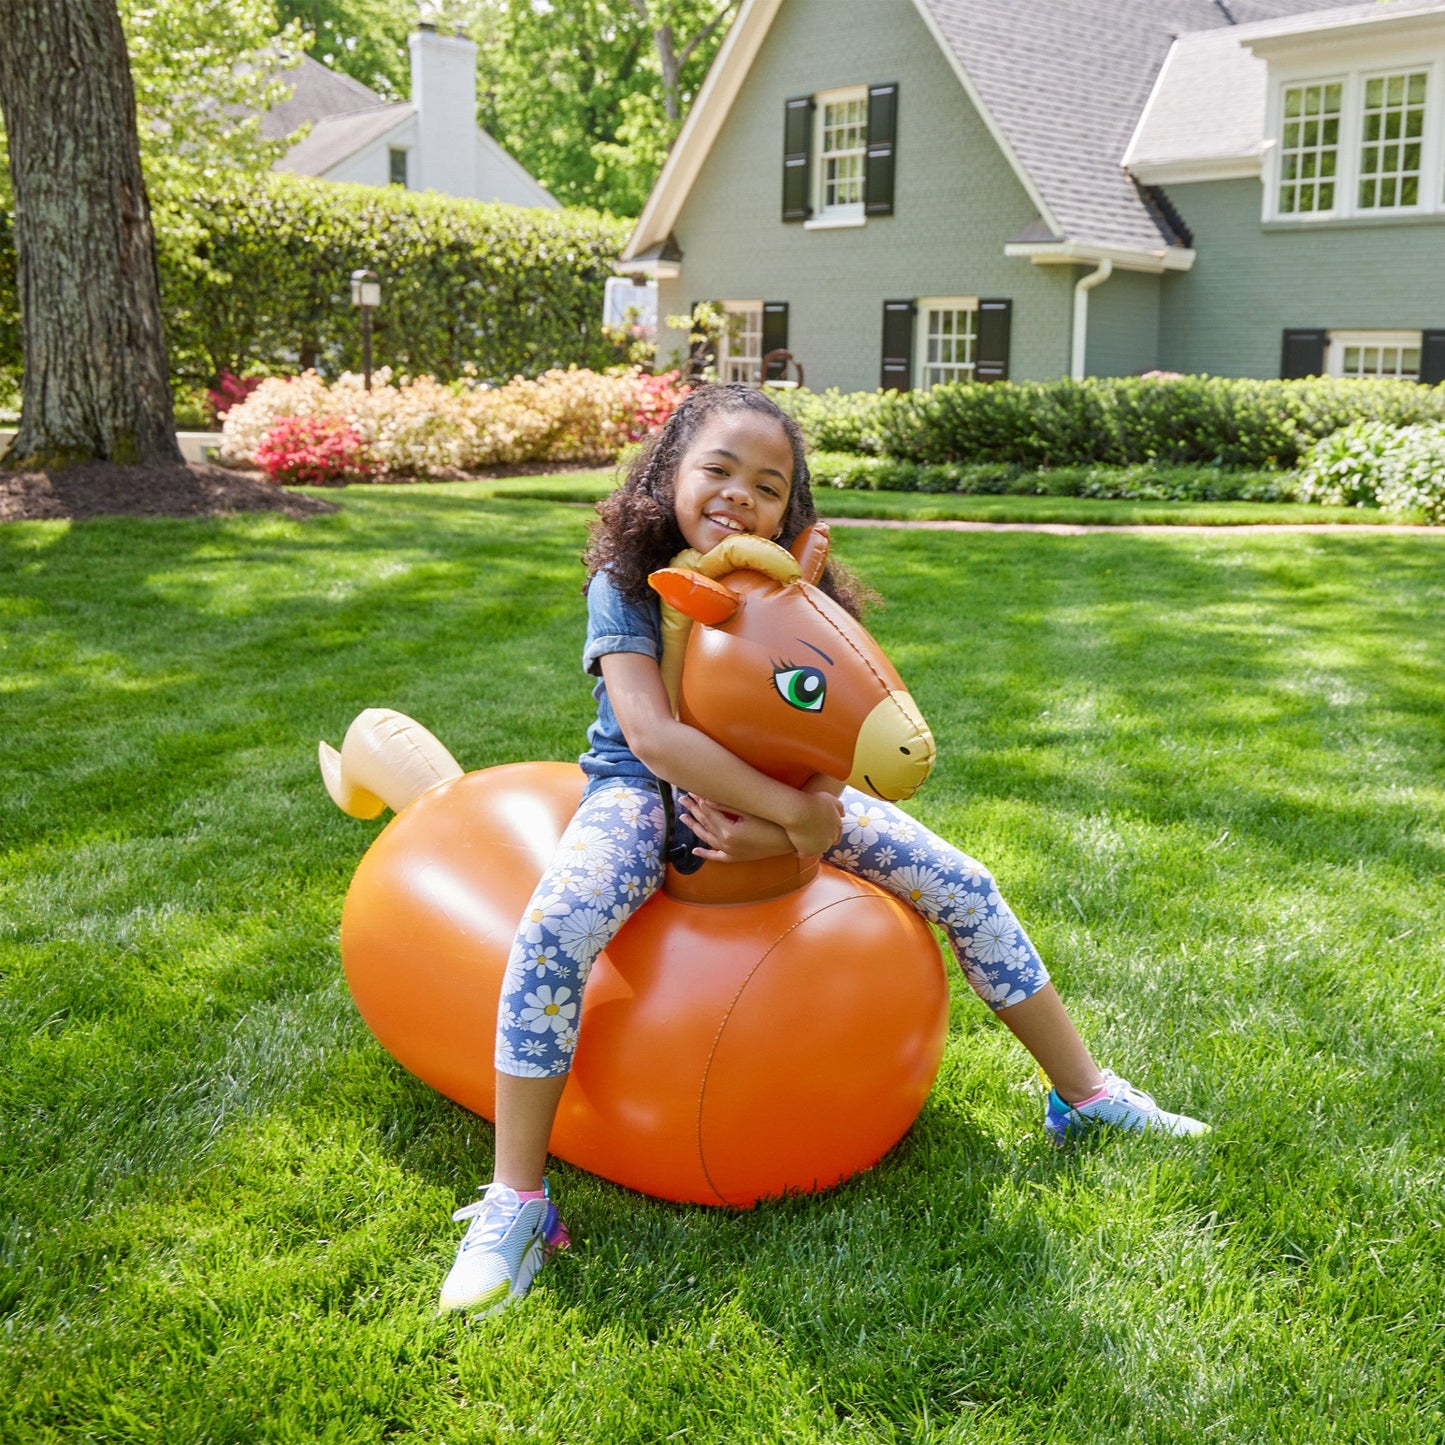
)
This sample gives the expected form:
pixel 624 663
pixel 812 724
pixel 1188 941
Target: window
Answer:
pixel 740 353
pixel 396 161
pixel 948 339
pixel 842 153
pixel 1309 148
pixel 1374 353
pixel 1391 137
pixel 1361 143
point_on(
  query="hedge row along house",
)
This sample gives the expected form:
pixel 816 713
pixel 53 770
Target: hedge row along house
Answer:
pixel 431 142
pixel 903 192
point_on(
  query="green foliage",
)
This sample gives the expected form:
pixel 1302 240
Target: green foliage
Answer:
pixel 835 421
pixel 1205 769
pixel 258 279
pixel 1374 464
pixel 1144 483
pixel 365 39
pixel 1126 421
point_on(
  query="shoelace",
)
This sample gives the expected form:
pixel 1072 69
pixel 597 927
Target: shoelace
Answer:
pixel 485 1232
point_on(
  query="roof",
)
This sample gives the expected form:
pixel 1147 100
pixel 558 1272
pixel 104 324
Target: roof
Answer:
pixel 1061 85
pixel 332 139
pixel 1206 117
pixel 316 93
pixel 1064 82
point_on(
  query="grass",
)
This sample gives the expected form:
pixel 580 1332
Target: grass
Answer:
pixel 1206 768
pixel 954 507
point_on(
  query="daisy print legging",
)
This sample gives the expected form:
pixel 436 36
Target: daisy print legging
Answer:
pixel 609 862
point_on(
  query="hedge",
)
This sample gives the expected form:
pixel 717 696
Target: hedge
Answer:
pixel 255 276
pixel 1129 421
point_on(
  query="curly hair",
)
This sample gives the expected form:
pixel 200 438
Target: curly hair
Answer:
pixel 636 531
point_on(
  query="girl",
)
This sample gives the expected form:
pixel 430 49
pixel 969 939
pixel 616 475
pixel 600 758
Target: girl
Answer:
pixel 727 461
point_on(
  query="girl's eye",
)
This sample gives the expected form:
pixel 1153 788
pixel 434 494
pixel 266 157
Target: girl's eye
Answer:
pixel 801 687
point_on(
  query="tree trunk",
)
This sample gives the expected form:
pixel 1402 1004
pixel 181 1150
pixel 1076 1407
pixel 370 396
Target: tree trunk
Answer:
pixel 95 380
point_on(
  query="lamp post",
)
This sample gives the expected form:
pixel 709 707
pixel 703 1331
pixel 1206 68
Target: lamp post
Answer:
pixel 365 293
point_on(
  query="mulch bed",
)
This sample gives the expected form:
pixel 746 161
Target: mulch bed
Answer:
pixel 103 489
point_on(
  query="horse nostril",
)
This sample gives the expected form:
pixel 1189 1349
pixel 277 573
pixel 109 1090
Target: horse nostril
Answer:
pixel 905 752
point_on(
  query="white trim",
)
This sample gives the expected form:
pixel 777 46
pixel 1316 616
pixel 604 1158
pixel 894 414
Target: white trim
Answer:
pixel 1198 168
pixel 1312 43
pixel 1075 253
pixel 852 212
pixel 719 90
pixel 750 309
pixel 1079 342
pixel 1337 341
pixel 657 270
pixel 835 222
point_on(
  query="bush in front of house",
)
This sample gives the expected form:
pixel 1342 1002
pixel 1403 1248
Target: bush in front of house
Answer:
pixel 1149 483
pixel 422 427
pixel 1132 421
pixel 314 449
pixel 1373 464
pixel 837 421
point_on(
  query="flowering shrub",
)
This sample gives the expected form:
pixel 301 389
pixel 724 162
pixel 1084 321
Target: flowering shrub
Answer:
pixel 1373 464
pixel 313 449
pixel 419 427
pixel 228 390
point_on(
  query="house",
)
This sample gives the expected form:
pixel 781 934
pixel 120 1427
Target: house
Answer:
pixel 902 192
pixel 431 142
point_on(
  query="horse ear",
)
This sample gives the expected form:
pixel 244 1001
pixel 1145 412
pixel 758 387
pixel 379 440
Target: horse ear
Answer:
pixel 694 595
pixel 810 551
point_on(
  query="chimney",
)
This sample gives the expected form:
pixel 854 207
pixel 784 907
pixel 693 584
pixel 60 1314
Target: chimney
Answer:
pixel 444 91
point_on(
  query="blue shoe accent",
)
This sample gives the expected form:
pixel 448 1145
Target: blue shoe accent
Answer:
pixel 507 1242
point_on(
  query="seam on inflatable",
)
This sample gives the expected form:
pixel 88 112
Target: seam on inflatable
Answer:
pixel 880 897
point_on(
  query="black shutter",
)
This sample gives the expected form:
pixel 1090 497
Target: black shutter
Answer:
pixel 775 337
pixel 882 137
pixel 1303 354
pixel 701 354
pixel 897 345
pixel 797 158
pixel 1432 357
pixel 990 360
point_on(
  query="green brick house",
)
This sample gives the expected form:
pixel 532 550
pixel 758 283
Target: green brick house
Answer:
pixel 900 192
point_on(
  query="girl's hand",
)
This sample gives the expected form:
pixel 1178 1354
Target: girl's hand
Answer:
pixel 818 823
pixel 730 837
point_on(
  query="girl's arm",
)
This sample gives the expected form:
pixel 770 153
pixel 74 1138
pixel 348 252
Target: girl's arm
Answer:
pixel 691 760
pixel 730 837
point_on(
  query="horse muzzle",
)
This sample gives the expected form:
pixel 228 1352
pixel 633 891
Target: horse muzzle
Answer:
pixel 895 750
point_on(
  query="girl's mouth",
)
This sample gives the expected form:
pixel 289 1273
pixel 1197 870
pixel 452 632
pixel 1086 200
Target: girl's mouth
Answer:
pixel 728 524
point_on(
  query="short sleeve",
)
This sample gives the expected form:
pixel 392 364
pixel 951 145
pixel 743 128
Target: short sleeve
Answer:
pixel 616 625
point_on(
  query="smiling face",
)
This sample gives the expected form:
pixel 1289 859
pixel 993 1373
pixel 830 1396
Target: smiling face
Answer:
pixel 736 477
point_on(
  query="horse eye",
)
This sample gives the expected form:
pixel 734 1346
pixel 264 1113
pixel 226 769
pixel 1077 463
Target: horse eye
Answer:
pixel 801 687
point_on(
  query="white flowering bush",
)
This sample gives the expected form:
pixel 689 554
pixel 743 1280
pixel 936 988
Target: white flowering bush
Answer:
pixel 1373 464
pixel 420 427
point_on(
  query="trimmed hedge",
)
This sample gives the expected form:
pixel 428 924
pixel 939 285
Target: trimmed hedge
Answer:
pixel 1115 421
pixel 1178 483
pixel 1370 464
pixel 255 276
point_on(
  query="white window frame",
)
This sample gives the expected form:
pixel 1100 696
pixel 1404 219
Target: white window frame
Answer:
pixel 735 361
pixel 1373 62
pixel 1423 188
pixel 1340 341
pixel 923 336
pixel 1341 144
pixel 850 213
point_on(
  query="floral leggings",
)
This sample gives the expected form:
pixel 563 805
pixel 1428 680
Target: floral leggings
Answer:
pixel 608 863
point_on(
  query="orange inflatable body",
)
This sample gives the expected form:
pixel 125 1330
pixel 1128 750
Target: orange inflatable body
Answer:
pixel 725 1053
pixel 754 1029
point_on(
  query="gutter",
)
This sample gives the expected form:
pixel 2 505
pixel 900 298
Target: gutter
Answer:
pixel 1082 287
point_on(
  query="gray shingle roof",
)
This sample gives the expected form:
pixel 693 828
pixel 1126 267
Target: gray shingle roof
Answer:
pixel 1065 82
pixel 331 140
pixel 316 92
pixel 1210 101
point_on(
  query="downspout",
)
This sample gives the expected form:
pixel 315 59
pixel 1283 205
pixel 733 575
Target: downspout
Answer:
pixel 1082 287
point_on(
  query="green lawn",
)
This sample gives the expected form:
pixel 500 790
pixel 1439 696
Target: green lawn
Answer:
pixel 953 507
pixel 1207 770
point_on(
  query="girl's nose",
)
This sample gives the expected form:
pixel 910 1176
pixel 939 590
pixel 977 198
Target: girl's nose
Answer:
pixel 736 490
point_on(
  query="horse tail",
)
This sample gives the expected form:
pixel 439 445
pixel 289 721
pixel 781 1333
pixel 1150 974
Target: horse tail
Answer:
pixel 386 761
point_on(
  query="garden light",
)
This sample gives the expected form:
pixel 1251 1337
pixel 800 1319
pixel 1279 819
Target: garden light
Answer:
pixel 365 293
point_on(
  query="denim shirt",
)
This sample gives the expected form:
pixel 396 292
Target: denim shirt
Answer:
pixel 615 625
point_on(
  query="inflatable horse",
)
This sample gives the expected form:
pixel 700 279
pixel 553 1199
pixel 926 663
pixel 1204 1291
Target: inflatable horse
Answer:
pixel 756 1028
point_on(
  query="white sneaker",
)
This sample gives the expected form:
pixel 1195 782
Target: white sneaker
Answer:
pixel 508 1241
pixel 1122 1106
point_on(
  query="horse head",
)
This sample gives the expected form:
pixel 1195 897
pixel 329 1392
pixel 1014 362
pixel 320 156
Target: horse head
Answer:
pixel 782 676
